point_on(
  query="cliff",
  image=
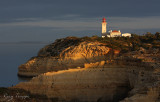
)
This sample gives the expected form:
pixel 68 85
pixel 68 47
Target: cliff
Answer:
pixel 63 54
pixel 89 71
pixel 125 78
pixel 87 84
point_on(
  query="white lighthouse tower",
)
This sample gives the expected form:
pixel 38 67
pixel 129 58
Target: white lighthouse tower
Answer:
pixel 104 27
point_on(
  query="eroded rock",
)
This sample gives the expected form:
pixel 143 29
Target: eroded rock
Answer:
pixel 68 57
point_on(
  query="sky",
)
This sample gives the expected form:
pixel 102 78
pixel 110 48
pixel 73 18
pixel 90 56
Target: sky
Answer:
pixel 47 20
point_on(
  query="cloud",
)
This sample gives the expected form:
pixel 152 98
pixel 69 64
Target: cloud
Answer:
pixel 81 24
pixel 61 24
pixel 51 19
pixel 86 8
pixel 39 29
pixel 136 23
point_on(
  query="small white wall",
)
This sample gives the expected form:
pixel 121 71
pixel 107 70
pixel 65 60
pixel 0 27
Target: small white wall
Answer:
pixel 126 35
pixel 115 34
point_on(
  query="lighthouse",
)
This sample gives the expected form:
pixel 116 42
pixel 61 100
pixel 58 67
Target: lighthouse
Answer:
pixel 104 26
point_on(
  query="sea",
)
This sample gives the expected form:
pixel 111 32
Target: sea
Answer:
pixel 11 56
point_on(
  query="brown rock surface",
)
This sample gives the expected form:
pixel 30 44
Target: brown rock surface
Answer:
pixel 87 84
pixel 86 71
pixel 109 80
pixel 60 56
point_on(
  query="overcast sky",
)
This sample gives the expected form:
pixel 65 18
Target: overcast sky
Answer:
pixel 47 20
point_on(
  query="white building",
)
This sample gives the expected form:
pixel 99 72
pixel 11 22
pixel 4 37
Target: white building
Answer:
pixel 114 33
pixel 126 35
pixel 111 33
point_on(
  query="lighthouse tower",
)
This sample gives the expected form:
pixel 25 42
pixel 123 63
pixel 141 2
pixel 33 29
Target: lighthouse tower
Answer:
pixel 104 26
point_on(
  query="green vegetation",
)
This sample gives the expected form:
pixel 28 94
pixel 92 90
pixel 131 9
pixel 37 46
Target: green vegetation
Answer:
pixel 125 44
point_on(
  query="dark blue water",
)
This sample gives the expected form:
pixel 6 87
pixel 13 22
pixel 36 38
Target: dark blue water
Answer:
pixel 11 56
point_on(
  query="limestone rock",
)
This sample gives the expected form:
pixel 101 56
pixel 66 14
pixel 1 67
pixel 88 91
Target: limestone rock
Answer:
pixel 87 84
pixel 64 54
pixel 125 79
pixel 74 70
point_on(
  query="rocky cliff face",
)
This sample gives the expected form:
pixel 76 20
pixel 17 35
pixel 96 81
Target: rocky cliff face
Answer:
pixel 105 81
pixel 84 71
pixel 144 78
pixel 63 54
pixel 101 83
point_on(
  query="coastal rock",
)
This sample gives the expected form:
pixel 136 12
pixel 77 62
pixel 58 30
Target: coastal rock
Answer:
pixel 61 56
pixel 87 71
pixel 125 79
pixel 87 84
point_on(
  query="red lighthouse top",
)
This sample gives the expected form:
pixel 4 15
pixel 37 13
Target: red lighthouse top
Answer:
pixel 104 20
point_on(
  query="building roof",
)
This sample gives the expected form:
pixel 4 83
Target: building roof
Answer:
pixel 115 31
